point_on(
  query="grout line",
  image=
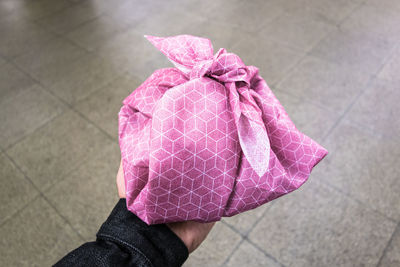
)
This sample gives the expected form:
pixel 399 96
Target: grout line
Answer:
pixel 34 21
pixel 351 13
pixel 341 117
pixel 246 238
pixel 271 203
pixel 93 51
pixel 70 41
pixel 264 252
pixel 367 87
pixel 396 230
pixel 371 79
pixel 35 130
pixel 232 228
pixel 18 211
pixel 63 217
pixel 307 52
pixel 41 195
pixel 64 34
pixel 232 252
pixel 70 106
pixel 245 235
pixel 300 98
pixel 71 5
pixel 362 204
pixel 113 139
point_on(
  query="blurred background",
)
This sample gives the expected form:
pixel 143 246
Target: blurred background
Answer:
pixel 65 67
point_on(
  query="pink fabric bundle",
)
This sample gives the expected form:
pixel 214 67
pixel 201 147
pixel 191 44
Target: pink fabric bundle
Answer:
pixel 208 138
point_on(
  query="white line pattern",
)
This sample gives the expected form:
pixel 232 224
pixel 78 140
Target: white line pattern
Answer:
pixel 208 138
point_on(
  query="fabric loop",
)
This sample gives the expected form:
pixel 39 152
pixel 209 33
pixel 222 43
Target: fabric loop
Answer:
pixel 224 67
pixel 195 60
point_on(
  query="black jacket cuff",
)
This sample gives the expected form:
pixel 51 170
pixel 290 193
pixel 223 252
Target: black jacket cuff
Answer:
pixel 156 243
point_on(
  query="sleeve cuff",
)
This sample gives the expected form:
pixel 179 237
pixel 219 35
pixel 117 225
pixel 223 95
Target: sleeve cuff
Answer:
pixel 157 243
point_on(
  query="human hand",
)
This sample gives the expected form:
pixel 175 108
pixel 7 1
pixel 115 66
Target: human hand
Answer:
pixel 190 232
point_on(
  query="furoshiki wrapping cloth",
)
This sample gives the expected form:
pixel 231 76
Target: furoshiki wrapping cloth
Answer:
pixel 207 138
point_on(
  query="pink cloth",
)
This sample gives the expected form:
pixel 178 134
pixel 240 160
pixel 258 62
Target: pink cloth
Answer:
pixel 208 138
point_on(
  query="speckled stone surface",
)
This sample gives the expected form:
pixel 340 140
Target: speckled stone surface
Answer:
pixel 333 64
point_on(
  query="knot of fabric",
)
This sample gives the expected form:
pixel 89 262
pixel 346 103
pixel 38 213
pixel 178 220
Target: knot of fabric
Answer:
pixel 224 67
pixel 193 56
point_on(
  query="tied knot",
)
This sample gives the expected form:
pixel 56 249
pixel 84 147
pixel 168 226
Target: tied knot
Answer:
pixel 193 56
pixel 224 67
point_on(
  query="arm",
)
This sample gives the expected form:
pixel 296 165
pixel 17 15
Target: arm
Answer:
pixel 124 240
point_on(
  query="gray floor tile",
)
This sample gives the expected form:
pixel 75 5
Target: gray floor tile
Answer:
pixel 36 237
pixel 248 15
pixel 69 18
pixel 20 36
pixel 331 11
pixel 344 216
pixel 391 69
pixel 317 226
pixel 2 61
pixel 15 190
pixel 133 12
pixel 248 255
pixel 73 81
pixel 244 222
pixel 7 7
pixel 392 253
pixel 363 166
pixel 90 192
pixel 56 149
pixel 168 23
pixel 273 59
pixel 300 29
pixel 380 20
pixel 313 120
pixel 111 96
pixel 377 108
pixel 221 35
pixel 34 10
pixel 325 83
pixel 199 8
pixel 389 4
pixel 216 248
pixel 93 33
pixel 12 82
pixel 55 54
pixel 31 9
pixel 140 59
pixel 30 109
pixel 102 6
pixel 364 51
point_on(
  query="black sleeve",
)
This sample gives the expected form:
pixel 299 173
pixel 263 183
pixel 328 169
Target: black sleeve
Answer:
pixel 125 240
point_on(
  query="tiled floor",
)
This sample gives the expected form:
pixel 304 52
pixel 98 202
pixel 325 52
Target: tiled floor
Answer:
pixel 66 65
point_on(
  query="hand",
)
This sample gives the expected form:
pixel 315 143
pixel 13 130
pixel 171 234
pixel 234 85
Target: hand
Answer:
pixel 190 232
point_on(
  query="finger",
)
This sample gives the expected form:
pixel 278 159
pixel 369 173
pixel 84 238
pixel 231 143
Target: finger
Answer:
pixel 121 182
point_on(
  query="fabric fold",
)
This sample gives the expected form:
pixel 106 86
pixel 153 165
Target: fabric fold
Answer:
pixel 193 56
pixel 207 138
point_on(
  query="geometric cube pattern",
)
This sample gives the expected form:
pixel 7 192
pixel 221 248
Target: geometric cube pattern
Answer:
pixel 208 138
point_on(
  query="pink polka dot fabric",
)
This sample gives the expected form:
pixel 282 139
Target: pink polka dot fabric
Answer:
pixel 208 138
